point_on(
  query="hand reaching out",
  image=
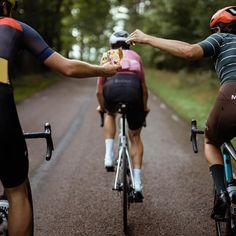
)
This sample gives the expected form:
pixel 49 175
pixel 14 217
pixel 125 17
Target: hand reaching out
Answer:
pixel 110 69
pixel 137 37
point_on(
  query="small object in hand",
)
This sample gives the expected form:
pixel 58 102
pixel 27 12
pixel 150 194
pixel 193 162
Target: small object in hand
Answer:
pixel 104 58
pixel 132 43
pixel 116 56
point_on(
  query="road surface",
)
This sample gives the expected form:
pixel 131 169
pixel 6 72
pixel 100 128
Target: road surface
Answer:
pixel 73 193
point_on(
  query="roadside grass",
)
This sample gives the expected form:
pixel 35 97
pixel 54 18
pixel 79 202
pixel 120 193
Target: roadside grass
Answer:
pixel 25 86
pixel 190 95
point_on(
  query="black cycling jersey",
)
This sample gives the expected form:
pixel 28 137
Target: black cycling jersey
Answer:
pixel 14 36
pixel 222 47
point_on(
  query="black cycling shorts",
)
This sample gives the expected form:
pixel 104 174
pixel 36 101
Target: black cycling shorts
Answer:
pixel 221 123
pixel 13 151
pixel 125 88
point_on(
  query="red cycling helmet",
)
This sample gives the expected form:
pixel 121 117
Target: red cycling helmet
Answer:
pixel 225 15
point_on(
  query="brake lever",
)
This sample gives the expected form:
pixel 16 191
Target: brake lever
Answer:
pixel 50 146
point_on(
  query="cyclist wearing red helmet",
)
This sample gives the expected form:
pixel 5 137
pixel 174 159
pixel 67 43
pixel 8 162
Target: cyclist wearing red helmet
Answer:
pixel 221 123
pixel 15 36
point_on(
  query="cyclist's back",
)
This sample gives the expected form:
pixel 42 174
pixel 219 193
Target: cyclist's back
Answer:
pixel 222 46
pixel 125 86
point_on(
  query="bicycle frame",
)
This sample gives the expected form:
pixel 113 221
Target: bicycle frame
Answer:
pixel 228 153
pixel 124 179
pixel 123 147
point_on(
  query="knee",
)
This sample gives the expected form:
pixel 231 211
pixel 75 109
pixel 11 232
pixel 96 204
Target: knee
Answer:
pixel 16 194
pixel 134 135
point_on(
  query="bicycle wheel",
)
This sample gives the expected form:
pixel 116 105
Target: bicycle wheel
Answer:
pixel 223 228
pixel 125 193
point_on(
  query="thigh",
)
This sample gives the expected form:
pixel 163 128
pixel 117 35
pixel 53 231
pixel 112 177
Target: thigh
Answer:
pixel 13 151
pixel 135 118
pixel 221 123
pixel 14 163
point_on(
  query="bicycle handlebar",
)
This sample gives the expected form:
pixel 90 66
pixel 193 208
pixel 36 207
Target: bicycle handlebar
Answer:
pixel 102 118
pixel 194 132
pixel 47 134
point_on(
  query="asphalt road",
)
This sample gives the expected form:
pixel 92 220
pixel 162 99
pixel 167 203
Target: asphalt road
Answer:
pixel 73 193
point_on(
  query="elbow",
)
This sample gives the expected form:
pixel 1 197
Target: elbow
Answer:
pixel 190 55
pixel 68 71
pixel 194 52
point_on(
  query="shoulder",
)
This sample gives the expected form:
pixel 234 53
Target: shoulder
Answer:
pixel 11 22
pixel 26 27
pixel 132 54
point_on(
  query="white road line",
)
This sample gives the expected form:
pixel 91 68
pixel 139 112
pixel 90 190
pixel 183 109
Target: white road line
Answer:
pixel 46 166
pixel 154 98
pixel 163 106
pixel 175 118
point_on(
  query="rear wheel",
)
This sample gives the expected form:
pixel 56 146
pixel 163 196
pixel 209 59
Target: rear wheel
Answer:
pixel 223 228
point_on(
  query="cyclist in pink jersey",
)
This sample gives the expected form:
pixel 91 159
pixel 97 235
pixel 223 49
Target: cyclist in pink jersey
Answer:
pixel 128 86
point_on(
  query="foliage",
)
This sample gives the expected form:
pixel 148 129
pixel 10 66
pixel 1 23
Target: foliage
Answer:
pixel 190 95
pixel 88 24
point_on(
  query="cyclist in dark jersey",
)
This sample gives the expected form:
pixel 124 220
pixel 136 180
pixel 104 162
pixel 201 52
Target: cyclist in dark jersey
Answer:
pixel 221 123
pixel 15 36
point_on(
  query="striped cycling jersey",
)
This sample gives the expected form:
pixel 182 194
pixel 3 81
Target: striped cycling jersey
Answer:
pixel 222 47
pixel 16 36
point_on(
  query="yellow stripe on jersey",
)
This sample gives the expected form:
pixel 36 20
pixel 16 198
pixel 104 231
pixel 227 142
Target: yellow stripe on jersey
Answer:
pixel 4 71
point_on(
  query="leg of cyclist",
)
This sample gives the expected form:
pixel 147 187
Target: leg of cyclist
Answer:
pixel 215 162
pixel 19 224
pixel 218 129
pixel 136 152
pixel 109 134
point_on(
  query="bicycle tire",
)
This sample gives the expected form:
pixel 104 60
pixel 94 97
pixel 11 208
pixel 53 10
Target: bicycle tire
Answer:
pixel 223 228
pixel 125 193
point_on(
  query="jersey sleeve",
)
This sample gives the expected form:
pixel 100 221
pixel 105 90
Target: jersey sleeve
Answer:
pixel 211 45
pixel 35 44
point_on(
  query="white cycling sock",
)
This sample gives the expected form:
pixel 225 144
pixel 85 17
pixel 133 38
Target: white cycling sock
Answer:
pixel 109 147
pixel 137 176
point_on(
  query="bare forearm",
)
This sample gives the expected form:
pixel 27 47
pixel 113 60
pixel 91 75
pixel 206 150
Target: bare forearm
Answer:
pixel 100 99
pixel 99 94
pixel 145 95
pixel 80 69
pixel 77 68
pixel 173 47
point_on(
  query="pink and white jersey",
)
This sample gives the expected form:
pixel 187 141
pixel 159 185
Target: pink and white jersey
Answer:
pixel 131 64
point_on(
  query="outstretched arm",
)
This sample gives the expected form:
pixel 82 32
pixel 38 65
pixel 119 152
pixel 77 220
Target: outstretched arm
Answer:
pixel 174 47
pixel 77 68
